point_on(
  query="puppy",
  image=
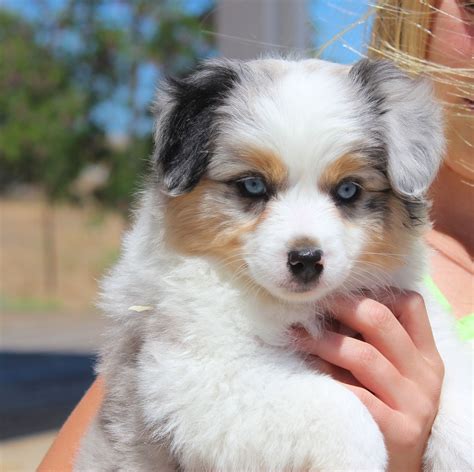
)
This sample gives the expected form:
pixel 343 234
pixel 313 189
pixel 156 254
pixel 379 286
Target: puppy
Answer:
pixel 276 185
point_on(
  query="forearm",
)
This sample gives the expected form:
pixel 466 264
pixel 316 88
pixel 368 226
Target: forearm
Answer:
pixel 60 455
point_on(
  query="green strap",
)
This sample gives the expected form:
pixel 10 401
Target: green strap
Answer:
pixel 465 326
pixel 437 293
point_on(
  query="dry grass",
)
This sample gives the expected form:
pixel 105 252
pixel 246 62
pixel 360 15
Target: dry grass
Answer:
pixel 52 257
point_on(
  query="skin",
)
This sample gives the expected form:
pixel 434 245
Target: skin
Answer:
pixel 453 191
pixel 60 456
pixel 452 45
pixel 393 367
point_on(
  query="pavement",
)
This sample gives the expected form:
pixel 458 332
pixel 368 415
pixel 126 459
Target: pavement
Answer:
pixel 25 454
pixel 60 332
pixel 46 365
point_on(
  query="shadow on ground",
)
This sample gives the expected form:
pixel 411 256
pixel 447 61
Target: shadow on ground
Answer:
pixel 39 390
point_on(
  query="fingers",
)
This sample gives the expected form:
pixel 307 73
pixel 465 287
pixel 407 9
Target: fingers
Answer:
pixel 396 364
pixel 341 375
pixel 410 309
pixel 381 413
pixel 380 328
pixel 365 363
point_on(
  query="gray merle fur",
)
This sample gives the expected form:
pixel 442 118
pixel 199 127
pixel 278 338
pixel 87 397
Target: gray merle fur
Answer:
pixel 372 78
pixel 185 147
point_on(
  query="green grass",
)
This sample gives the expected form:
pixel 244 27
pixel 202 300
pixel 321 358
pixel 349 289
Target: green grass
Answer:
pixel 109 258
pixel 29 304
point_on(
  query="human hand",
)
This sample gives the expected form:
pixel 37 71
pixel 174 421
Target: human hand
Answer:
pixel 395 370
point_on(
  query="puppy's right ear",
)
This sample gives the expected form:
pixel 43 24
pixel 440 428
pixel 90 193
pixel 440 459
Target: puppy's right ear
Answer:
pixel 187 118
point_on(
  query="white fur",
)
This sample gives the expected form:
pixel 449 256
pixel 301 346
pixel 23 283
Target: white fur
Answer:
pixel 291 217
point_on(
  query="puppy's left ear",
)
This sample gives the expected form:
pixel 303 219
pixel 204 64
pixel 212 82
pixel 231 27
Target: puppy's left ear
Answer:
pixel 187 119
pixel 407 120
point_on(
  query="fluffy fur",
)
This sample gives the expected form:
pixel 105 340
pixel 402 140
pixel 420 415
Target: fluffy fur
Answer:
pixel 204 379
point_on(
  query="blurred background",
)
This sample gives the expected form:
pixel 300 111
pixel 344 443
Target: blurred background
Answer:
pixel 76 81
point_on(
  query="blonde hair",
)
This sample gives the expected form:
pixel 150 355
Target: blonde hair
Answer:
pixel 401 33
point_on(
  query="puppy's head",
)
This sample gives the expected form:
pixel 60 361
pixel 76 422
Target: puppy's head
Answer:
pixel 304 177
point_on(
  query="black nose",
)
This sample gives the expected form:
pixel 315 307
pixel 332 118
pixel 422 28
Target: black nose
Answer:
pixel 305 264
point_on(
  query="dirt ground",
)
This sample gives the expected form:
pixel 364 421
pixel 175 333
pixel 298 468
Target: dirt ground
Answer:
pixel 51 257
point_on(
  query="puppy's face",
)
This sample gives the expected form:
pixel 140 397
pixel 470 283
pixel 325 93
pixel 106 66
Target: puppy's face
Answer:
pixel 299 177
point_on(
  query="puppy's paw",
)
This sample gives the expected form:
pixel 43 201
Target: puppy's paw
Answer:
pixel 348 437
pixel 274 421
pixel 313 424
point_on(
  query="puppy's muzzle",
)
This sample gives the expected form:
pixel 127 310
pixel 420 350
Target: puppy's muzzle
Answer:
pixel 305 264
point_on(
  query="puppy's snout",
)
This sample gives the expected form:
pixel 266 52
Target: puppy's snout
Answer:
pixel 305 264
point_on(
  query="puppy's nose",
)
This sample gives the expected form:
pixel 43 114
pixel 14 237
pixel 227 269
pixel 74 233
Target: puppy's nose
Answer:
pixel 305 264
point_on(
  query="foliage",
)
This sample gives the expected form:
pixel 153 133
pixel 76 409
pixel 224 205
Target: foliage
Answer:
pixel 40 111
pixel 68 75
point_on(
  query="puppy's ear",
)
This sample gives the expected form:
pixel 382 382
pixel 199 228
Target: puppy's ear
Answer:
pixel 407 119
pixel 186 124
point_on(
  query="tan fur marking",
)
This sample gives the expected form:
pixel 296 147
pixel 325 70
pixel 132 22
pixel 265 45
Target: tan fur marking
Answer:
pixel 267 163
pixel 302 243
pixel 387 242
pixel 198 223
pixel 386 246
pixel 195 223
pixel 204 221
pixel 345 166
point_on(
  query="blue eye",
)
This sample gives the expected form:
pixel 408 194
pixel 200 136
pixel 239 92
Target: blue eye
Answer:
pixel 252 187
pixel 347 191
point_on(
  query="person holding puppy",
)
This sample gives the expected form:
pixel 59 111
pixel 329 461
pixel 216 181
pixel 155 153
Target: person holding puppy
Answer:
pixel 406 409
